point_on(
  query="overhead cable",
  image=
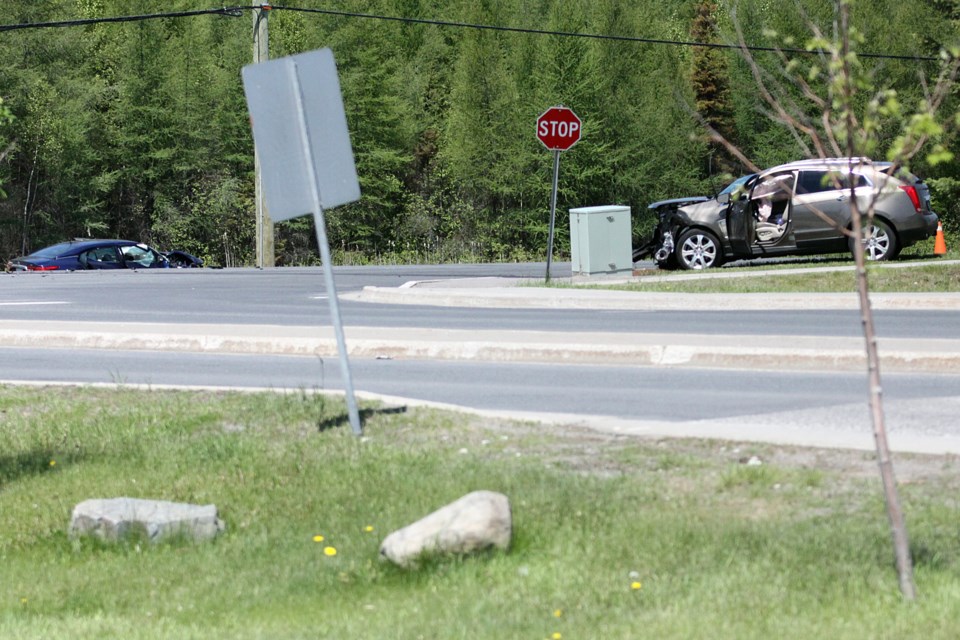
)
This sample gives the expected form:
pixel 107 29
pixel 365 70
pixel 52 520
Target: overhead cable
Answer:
pixel 238 11
pixel 234 12
pixel 593 36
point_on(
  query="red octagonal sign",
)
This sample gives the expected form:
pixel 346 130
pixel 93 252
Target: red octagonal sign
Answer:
pixel 558 128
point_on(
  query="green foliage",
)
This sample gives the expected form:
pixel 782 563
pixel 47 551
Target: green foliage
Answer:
pixel 834 275
pixel 121 124
pixel 6 146
pixel 141 129
pixel 945 200
pixel 710 81
pixel 841 102
pixel 211 222
pixel 382 136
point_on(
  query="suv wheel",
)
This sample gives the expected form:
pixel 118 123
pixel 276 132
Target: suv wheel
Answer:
pixel 879 241
pixel 698 249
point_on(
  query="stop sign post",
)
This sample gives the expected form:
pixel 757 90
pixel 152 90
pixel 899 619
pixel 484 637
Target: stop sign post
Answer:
pixel 558 128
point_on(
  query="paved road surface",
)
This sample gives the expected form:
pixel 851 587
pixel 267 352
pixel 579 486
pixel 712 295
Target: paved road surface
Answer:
pixel 489 365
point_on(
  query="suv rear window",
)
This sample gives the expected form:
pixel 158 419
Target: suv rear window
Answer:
pixel 819 181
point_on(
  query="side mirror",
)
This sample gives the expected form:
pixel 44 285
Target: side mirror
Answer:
pixel 723 198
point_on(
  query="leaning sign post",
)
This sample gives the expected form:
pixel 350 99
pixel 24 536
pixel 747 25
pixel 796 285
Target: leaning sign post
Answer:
pixel 300 130
pixel 558 128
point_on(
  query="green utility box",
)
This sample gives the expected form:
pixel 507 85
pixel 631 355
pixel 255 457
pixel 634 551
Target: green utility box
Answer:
pixel 600 241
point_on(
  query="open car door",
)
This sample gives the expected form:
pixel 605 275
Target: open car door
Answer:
pixel 759 222
pixel 741 225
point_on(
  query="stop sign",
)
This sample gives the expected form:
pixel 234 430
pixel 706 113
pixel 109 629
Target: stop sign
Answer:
pixel 558 128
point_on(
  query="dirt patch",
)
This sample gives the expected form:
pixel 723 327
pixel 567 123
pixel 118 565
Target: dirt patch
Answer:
pixel 587 451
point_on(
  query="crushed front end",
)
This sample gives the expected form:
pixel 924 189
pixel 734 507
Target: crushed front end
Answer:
pixel 660 246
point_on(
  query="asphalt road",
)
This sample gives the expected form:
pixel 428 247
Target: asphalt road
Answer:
pixel 812 408
pixel 297 297
pixel 815 408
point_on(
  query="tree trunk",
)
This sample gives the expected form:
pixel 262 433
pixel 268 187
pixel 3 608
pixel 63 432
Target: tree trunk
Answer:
pixel 898 527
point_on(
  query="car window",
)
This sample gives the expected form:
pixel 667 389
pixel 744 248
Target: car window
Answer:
pixel 52 252
pixel 774 187
pixel 862 181
pixel 820 181
pixel 136 255
pixel 901 173
pixel 102 254
pixel 815 182
pixel 736 184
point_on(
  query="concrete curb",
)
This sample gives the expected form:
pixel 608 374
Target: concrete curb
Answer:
pixel 640 349
pixel 510 295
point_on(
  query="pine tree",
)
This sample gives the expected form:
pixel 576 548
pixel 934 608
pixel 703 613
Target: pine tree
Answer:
pixel 711 85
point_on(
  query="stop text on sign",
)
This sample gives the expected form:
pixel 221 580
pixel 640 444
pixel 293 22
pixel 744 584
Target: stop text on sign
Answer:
pixel 553 128
pixel 558 128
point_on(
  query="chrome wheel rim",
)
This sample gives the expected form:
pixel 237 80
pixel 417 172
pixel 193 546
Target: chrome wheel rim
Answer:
pixel 698 252
pixel 876 243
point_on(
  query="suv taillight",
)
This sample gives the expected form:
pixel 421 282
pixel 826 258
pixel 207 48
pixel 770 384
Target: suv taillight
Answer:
pixel 914 196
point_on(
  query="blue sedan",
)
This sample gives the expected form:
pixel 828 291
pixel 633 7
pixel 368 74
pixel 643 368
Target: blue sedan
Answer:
pixel 77 255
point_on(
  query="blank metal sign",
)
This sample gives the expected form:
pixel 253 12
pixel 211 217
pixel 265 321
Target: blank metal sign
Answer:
pixel 276 105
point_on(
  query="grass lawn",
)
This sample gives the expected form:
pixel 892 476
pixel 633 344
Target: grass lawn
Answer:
pixel 804 276
pixel 614 537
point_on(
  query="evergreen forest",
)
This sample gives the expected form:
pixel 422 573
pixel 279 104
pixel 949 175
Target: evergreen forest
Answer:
pixel 139 129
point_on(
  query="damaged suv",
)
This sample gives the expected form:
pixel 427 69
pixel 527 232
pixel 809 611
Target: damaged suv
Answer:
pixel 795 209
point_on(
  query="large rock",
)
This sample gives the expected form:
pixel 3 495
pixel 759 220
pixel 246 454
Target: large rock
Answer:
pixel 477 521
pixel 114 518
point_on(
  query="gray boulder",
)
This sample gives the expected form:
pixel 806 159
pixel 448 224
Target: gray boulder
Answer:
pixel 114 518
pixel 477 521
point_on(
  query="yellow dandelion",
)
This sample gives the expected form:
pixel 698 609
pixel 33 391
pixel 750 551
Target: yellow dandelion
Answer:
pixel 329 551
pixel 557 613
pixel 23 601
pixel 318 538
pixel 636 585
pixel 556 635
pixel 53 463
pixel 368 528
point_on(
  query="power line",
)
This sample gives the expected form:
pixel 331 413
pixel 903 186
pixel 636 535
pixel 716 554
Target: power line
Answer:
pixel 234 12
pixel 238 11
pixel 593 36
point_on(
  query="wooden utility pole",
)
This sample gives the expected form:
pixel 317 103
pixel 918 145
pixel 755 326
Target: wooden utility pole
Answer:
pixel 261 53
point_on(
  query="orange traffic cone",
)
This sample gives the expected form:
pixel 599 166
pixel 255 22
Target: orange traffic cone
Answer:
pixel 939 245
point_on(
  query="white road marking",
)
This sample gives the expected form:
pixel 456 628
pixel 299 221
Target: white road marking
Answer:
pixel 32 302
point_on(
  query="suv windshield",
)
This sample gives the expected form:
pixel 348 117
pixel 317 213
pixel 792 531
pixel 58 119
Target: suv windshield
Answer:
pixel 736 184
